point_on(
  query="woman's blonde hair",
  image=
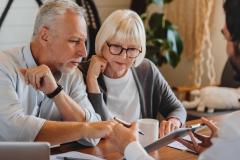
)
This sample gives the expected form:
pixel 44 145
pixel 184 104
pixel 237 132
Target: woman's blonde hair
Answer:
pixel 125 25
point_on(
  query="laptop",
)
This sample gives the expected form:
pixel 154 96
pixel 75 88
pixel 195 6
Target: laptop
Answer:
pixel 24 151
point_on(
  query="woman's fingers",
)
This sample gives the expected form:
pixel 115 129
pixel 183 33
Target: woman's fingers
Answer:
pixel 162 128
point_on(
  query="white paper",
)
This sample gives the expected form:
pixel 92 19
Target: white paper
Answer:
pixel 179 146
pixel 74 154
pixel 55 146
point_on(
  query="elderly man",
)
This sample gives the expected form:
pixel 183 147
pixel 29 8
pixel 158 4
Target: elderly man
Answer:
pixel 40 85
pixel 226 144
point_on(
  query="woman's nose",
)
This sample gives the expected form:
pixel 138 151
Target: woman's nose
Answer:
pixel 124 53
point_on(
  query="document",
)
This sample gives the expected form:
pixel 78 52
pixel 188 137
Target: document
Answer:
pixel 74 155
pixel 179 146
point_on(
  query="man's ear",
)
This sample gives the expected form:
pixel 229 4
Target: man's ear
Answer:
pixel 43 36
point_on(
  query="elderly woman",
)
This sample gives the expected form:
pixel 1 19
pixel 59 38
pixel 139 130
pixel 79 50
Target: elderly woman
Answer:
pixel 121 83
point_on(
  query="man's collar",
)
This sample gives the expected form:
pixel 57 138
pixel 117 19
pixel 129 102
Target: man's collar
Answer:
pixel 28 57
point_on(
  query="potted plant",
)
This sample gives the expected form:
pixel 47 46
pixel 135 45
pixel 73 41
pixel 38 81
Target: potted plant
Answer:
pixel 164 44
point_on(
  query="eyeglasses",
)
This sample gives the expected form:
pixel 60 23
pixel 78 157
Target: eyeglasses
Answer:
pixel 115 49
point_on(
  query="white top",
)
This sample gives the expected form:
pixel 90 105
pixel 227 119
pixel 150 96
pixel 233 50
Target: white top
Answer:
pixel 227 145
pixel 135 151
pixel 123 98
pixel 23 110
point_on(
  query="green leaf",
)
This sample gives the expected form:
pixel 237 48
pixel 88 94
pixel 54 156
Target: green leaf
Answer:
pixel 179 43
pixel 143 16
pixel 167 1
pixel 174 39
pixel 168 25
pixel 161 2
pixel 158 2
pixel 164 44
pixel 172 58
pixel 158 41
pixel 156 21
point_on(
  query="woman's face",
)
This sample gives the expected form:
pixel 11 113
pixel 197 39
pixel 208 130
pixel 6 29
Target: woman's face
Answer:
pixel 118 64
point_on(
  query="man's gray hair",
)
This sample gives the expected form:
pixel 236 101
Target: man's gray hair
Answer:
pixel 49 11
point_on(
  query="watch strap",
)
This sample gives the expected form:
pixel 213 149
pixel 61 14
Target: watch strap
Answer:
pixel 55 92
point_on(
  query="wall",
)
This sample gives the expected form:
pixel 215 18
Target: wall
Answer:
pixel 105 7
pixel 18 24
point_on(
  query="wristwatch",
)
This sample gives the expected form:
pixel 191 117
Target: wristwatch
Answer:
pixel 55 92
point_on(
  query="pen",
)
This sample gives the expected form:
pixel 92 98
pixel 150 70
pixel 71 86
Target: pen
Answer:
pixel 126 124
pixel 196 127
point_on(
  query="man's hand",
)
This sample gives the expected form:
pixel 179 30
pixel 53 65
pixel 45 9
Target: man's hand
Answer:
pixel 122 136
pixel 96 67
pixel 40 78
pixel 167 126
pixel 98 129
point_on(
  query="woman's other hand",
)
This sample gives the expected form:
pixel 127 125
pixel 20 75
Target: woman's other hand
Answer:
pixel 167 126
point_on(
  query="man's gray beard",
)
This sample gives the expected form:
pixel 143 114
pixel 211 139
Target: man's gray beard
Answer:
pixel 68 71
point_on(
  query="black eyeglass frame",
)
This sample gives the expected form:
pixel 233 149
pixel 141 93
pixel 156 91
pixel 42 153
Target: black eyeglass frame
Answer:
pixel 122 48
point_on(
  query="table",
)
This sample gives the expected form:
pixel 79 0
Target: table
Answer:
pixel 106 150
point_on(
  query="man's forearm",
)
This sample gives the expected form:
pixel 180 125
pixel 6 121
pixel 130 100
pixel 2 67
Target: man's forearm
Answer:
pixel 61 132
pixel 69 109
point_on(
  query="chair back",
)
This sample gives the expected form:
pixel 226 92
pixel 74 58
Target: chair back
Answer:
pixel 93 23
pixel 228 78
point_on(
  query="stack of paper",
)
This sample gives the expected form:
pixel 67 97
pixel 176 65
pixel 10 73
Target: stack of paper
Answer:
pixel 179 146
pixel 74 155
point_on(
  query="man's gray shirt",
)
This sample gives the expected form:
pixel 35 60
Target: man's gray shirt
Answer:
pixel 23 110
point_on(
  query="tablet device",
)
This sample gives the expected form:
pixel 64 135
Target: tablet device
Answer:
pixel 24 151
pixel 181 132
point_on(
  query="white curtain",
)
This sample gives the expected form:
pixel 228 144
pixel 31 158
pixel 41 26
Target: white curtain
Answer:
pixel 193 20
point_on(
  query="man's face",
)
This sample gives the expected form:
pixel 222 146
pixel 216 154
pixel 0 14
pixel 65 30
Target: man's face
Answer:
pixel 231 50
pixel 66 45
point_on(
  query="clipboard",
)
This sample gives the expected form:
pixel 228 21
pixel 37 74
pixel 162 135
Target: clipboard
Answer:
pixel 181 132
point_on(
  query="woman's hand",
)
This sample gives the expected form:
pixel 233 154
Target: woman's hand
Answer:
pixel 96 67
pixel 167 126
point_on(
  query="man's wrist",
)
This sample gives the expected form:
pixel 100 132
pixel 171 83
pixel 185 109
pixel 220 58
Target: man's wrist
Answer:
pixel 55 92
pixel 84 129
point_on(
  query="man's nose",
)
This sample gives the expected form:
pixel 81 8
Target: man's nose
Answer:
pixel 82 50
